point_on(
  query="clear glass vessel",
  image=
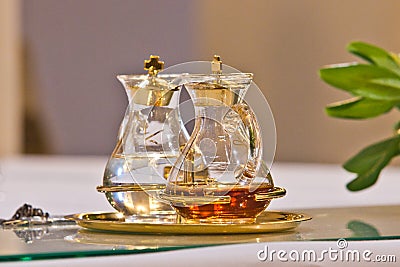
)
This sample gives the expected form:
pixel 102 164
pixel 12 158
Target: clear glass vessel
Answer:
pixel 149 140
pixel 219 175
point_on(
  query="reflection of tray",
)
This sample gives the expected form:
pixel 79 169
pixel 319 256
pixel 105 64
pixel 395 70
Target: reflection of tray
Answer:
pixel 140 241
pixel 269 221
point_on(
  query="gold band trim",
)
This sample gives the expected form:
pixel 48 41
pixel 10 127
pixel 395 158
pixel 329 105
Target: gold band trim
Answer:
pixel 276 192
pixel 191 200
pixel 129 187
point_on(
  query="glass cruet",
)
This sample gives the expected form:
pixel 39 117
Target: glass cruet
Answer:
pixel 148 144
pixel 219 175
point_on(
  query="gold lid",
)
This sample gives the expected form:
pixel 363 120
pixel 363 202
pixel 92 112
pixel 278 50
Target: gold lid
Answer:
pixel 151 89
pixel 153 65
pixel 216 65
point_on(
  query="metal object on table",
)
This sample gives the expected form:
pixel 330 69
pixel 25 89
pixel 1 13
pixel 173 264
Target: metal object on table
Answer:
pixel 26 213
pixel 26 216
pixel 31 224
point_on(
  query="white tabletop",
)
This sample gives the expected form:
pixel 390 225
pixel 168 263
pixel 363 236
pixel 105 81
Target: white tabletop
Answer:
pixel 64 185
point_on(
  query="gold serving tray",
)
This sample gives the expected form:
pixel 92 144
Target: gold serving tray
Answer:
pixel 267 222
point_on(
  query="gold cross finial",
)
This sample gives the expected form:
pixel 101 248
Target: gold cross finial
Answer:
pixel 153 65
pixel 216 65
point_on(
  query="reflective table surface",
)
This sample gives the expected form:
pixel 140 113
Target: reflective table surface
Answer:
pixel 67 241
pixel 63 185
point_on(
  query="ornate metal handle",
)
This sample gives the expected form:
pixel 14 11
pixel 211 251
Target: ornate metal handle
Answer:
pixel 255 143
pixel 26 216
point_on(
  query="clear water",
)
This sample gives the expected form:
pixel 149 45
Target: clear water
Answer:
pixel 144 169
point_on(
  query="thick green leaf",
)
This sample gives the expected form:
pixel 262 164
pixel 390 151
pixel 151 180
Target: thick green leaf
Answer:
pixel 389 82
pixel 364 159
pixel 367 179
pixel 358 108
pixel 377 87
pixel 375 55
pixel 396 57
pixel 369 162
pixel 397 127
pixel 353 76
pixel 377 90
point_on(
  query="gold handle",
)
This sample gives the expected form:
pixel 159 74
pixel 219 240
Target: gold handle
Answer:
pixel 255 145
pixel 277 192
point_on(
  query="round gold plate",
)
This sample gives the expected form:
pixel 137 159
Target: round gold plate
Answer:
pixel 267 222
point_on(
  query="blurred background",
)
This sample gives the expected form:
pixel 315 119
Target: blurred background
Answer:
pixel 59 59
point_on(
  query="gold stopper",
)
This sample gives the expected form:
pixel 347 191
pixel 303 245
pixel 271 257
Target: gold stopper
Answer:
pixel 216 65
pixel 153 65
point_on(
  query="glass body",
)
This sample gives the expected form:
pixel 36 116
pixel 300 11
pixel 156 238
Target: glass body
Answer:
pixel 219 175
pixel 148 144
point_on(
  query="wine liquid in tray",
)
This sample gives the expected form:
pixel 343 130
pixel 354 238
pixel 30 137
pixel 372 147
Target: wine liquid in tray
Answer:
pixel 243 206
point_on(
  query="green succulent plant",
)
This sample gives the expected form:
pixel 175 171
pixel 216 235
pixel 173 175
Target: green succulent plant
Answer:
pixel 375 86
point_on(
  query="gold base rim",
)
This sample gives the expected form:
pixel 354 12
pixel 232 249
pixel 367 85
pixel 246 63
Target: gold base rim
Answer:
pixel 129 187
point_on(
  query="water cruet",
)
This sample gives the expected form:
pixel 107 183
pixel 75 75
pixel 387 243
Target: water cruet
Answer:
pixel 148 144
